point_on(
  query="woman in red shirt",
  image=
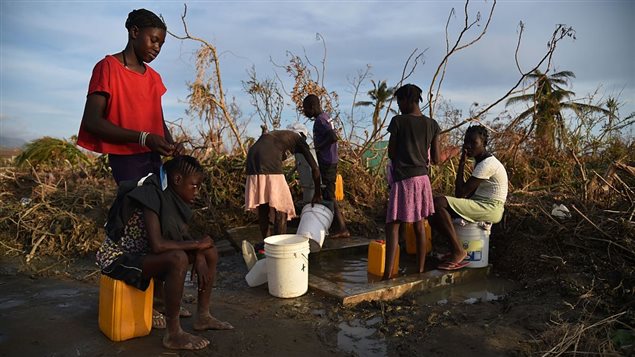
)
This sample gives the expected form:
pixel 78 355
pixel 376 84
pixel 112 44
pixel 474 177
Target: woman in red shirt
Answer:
pixel 123 116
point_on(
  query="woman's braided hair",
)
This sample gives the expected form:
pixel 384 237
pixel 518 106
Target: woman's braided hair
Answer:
pixel 144 18
pixel 184 165
pixel 478 130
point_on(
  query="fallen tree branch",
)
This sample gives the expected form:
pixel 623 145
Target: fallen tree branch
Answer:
pixel 591 222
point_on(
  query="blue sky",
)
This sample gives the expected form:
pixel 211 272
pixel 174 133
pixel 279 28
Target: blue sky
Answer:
pixel 48 50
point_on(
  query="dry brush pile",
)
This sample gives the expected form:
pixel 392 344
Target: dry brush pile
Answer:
pixel 587 257
pixel 52 212
pixel 58 211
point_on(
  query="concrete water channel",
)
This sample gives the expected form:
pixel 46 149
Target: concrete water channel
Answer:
pixel 339 270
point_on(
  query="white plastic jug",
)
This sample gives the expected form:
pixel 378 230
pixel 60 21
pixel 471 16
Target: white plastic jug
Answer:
pixel 287 265
pixel 315 222
pixel 249 254
pixel 258 273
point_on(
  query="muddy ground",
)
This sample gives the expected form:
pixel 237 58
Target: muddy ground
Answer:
pixel 54 313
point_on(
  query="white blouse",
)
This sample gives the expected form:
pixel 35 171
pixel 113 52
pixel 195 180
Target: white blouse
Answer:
pixel 495 185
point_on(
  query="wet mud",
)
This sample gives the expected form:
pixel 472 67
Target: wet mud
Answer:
pixel 55 314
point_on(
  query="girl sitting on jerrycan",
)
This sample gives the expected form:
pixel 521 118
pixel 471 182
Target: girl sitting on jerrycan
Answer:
pixel 148 238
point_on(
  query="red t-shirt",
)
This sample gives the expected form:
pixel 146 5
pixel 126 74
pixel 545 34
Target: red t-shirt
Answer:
pixel 134 102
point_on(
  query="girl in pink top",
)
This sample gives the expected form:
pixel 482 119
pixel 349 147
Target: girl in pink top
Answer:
pixel 412 135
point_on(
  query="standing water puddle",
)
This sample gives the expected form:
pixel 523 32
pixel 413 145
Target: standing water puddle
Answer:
pixel 357 336
pixel 10 303
pixel 344 264
pixel 489 289
pixel 345 272
pixel 351 270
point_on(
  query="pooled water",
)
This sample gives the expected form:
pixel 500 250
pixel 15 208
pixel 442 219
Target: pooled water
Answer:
pixel 359 337
pixel 345 272
pixel 10 303
pixel 485 290
pixel 350 272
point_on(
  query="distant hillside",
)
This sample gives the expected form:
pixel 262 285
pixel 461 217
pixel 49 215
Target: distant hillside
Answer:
pixel 8 152
pixel 11 143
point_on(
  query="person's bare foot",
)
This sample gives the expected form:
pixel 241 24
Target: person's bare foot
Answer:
pixel 183 311
pixel 457 257
pixel 390 275
pixel 343 234
pixel 184 341
pixel 209 322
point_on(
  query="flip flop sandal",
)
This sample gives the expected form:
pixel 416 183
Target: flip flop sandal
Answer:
pixel 453 266
pixel 158 320
pixel 445 257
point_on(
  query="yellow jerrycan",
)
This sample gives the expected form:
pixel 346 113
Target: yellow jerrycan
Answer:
pixel 339 188
pixel 411 239
pixel 377 258
pixel 124 311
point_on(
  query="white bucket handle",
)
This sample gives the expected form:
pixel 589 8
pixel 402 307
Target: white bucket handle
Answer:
pixel 295 255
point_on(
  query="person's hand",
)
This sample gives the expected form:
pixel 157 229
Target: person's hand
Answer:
pixel 159 144
pixel 462 159
pixel 317 197
pixel 463 154
pixel 179 149
pixel 203 273
pixel 205 243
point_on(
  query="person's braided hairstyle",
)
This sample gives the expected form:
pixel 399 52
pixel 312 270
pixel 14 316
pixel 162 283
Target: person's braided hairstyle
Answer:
pixel 144 18
pixel 480 131
pixel 183 164
pixel 410 93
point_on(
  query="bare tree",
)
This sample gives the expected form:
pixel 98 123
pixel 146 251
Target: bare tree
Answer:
pixel 208 91
pixel 356 82
pixel 439 74
pixel 408 69
pixel 266 97
pixel 561 32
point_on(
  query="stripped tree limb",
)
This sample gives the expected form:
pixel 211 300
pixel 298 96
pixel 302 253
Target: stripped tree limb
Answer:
pixel 441 69
pixel 561 32
pixel 407 71
pixel 219 99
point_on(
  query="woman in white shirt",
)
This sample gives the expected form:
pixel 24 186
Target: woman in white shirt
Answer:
pixel 480 198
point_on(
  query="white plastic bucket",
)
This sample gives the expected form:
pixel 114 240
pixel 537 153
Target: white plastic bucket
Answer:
pixel 257 274
pixel 287 265
pixel 475 241
pixel 314 224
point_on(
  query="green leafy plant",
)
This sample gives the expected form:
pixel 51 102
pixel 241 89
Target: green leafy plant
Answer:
pixel 49 151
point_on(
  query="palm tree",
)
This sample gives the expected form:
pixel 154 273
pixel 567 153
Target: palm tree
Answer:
pixel 379 95
pixel 546 104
